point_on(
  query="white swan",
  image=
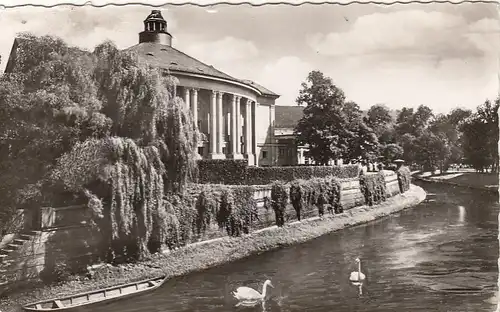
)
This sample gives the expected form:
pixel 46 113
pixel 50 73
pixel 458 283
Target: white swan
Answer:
pixel 357 276
pixel 249 294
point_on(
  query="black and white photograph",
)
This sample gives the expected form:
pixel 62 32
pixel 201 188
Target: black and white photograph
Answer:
pixel 249 157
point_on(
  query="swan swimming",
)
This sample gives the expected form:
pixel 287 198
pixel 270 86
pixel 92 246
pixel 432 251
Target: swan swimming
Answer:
pixel 249 294
pixel 357 276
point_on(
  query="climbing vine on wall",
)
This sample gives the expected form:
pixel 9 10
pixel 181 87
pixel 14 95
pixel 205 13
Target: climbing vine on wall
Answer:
pixel 279 200
pixel 373 187
pixel 320 192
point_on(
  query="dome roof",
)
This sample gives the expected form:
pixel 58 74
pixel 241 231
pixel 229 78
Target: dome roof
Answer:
pixel 167 57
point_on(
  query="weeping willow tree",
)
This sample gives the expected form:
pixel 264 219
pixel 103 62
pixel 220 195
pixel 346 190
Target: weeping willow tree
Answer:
pixel 124 186
pixel 142 104
pixel 132 177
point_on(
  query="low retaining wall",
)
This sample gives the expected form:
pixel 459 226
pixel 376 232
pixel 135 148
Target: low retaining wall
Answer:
pixel 200 256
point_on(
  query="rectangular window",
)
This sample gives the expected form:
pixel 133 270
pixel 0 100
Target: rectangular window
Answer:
pixel 282 151
pixel 264 154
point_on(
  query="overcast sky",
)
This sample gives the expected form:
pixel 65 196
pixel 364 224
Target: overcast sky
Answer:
pixel 440 55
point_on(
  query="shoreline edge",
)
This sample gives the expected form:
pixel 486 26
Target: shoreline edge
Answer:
pixel 204 255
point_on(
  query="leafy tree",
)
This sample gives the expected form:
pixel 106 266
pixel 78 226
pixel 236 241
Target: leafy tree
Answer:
pixel 421 119
pixel 323 126
pixel 392 152
pixel 404 122
pixel 449 126
pixel 48 102
pixel 412 121
pixel 362 142
pixel 433 150
pixel 480 137
pixel 409 144
pixel 380 120
pixel 59 104
pixel 352 112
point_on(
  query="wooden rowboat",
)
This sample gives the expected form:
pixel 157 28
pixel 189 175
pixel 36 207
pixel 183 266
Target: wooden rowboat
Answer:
pixel 102 296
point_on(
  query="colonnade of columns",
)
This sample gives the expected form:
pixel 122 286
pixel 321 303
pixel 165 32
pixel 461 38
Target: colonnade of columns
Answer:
pixel 192 101
pixel 241 144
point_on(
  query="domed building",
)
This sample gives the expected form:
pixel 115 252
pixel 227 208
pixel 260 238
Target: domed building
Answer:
pixel 233 115
pixel 236 117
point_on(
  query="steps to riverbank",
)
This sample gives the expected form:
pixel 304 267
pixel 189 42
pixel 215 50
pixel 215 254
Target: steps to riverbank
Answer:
pixel 198 257
pixel 9 252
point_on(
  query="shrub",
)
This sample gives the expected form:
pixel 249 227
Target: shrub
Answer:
pixel 206 206
pixel 245 212
pixel 373 188
pixel 185 213
pixel 279 201
pixel 404 178
pixel 321 192
pixel 299 196
pixel 222 171
pixel 232 207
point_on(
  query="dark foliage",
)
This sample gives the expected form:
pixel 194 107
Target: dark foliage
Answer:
pixel 236 172
pixel 373 188
pixel 404 178
pixel 222 171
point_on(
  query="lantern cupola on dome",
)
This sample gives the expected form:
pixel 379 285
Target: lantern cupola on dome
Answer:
pixel 155 30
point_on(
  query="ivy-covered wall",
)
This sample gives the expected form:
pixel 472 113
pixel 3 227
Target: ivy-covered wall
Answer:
pixel 208 211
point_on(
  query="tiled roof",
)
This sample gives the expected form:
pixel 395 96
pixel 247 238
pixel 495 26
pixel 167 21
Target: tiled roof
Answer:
pixel 287 116
pixel 167 57
pixel 261 88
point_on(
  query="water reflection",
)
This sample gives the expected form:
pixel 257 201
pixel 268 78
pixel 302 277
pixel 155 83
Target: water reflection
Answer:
pixel 461 215
pixel 413 261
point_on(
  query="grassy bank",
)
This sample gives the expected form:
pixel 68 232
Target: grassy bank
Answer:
pixel 474 180
pixel 217 252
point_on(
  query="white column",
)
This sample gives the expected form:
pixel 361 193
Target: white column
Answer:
pixel 195 107
pixel 233 125
pixel 213 126
pixel 238 125
pixel 220 125
pixel 234 128
pixel 254 128
pixel 187 98
pixel 248 133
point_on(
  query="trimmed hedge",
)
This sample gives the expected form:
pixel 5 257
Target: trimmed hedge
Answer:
pixel 236 172
pixel 266 175
pixel 222 171
pixel 373 188
pixel 404 178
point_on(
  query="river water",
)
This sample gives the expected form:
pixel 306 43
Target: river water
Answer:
pixel 439 256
